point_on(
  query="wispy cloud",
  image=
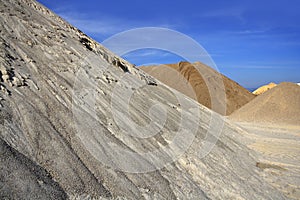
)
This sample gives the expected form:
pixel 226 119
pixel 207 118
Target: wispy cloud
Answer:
pixel 103 26
pixel 106 26
pixel 236 12
pixel 148 52
pixel 258 67
pixel 150 56
pixel 262 66
pixel 291 43
pixel 249 32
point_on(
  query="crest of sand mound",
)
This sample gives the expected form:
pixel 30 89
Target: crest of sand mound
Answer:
pixel 185 78
pixel 280 105
pixel 264 88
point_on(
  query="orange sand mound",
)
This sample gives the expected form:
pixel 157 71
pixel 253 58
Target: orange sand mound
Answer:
pixel 185 78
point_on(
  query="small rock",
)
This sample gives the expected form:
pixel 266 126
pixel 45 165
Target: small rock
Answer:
pixel 17 82
pixel 4 90
pixel 40 182
pixel 63 87
pixel 3 70
pixel 5 78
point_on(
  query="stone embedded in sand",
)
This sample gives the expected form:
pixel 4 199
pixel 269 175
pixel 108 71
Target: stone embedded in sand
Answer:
pixel 3 70
pixel 5 78
pixel 18 81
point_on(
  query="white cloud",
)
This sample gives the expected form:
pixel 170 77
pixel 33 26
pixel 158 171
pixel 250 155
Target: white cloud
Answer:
pixel 236 12
pixel 264 66
pixel 148 53
pixel 250 32
pixel 105 26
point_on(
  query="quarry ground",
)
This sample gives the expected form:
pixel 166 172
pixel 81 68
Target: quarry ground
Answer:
pixel 278 149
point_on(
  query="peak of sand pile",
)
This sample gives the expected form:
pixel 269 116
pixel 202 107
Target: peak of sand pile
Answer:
pixel 185 78
pixel 264 88
pixel 279 105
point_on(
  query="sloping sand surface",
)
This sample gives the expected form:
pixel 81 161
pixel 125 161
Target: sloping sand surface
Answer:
pixel 22 177
pixel 280 105
pixel 185 78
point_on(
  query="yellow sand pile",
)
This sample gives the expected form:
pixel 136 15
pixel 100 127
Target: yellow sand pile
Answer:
pixel 264 88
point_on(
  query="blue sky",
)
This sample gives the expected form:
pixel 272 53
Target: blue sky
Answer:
pixel 252 42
